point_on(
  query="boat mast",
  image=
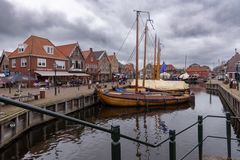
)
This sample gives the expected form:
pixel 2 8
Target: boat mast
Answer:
pixel 145 50
pixel 158 61
pixel 185 62
pixel 154 60
pixel 137 15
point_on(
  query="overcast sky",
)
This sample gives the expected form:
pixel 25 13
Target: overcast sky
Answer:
pixel 207 31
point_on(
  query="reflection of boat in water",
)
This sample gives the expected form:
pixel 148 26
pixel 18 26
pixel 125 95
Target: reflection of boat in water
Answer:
pixel 139 96
pixel 108 112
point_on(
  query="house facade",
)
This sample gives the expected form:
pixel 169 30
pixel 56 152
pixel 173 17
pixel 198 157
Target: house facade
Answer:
pixel 169 69
pixel 114 63
pixel 37 57
pixel 73 53
pixel 199 71
pixel 4 63
pixel 149 71
pixel 129 70
pixel 104 66
pixel 91 64
pixel 231 65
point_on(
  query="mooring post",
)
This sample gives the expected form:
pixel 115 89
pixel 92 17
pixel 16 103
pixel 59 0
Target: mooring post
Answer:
pixel 200 136
pixel 116 146
pixel 228 132
pixel 172 145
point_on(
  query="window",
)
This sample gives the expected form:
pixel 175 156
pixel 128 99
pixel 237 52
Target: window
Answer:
pixel 60 64
pixel 21 48
pixel 23 62
pixel 91 59
pixel 13 63
pixel 76 65
pixel 49 49
pixel 41 62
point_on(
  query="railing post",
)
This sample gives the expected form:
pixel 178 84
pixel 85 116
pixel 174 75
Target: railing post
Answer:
pixel 200 136
pixel 116 146
pixel 228 132
pixel 172 145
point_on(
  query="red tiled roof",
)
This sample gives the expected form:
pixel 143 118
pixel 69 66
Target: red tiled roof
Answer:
pixel 86 54
pixel 129 67
pixel 231 63
pixel 67 49
pixel 35 47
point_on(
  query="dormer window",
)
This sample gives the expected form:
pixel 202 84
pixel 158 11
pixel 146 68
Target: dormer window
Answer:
pixel 21 48
pixel 49 49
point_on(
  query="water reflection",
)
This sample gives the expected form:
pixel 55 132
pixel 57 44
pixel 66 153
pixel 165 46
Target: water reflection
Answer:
pixel 66 140
pixel 46 137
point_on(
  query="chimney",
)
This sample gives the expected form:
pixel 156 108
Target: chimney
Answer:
pixel 90 49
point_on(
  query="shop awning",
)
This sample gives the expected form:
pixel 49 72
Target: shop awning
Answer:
pixel 60 73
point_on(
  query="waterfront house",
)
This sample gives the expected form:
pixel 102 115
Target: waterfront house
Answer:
pixel 169 69
pixel 76 61
pixel 91 64
pixel 120 68
pixel 104 66
pixel 73 53
pixel 38 57
pixel 149 71
pixel 114 63
pixel 4 63
pixel 231 65
pixel 199 71
pixel 129 70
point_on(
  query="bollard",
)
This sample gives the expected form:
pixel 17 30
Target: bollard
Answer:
pixel 172 145
pixel 200 136
pixel 116 146
pixel 228 132
pixel 58 90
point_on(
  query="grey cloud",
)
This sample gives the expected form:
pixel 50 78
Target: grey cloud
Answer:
pixel 203 30
pixel 14 23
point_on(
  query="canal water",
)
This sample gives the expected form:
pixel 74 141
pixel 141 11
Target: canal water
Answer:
pixel 62 140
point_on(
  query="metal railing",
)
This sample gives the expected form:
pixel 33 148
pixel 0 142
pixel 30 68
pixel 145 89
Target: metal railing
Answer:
pixel 116 135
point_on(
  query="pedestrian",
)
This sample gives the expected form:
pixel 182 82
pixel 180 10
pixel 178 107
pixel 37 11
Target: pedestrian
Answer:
pixel 47 83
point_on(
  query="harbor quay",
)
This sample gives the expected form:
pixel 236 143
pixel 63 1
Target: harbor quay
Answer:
pixel 14 120
pixel 230 95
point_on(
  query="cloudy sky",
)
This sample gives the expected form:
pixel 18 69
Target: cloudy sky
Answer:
pixel 207 31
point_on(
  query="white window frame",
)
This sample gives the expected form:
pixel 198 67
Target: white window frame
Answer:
pixel 23 62
pixel 14 64
pixel 49 49
pixel 21 48
pixel 41 62
pixel 60 64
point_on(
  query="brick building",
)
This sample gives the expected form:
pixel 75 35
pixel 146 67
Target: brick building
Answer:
pixel 4 63
pixel 198 71
pixel 114 63
pixel 38 57
pixel 91 64
pixel 129 70
pixel 104 66
pixel 231 65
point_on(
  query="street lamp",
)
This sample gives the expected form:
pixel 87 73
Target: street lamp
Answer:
pixel 55 74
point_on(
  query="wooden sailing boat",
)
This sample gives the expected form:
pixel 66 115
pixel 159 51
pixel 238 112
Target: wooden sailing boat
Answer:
pixel 139 97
